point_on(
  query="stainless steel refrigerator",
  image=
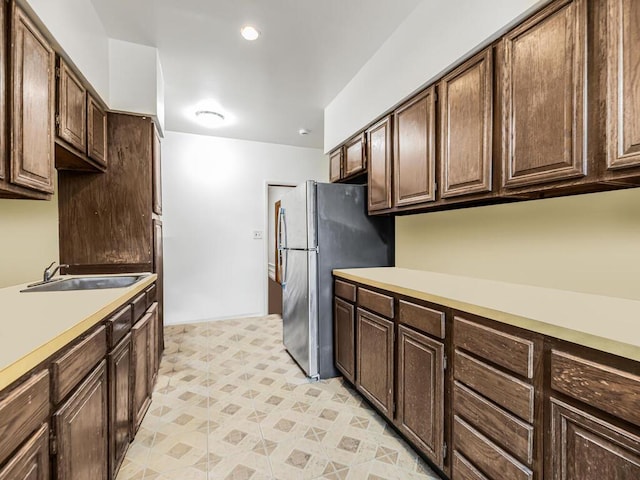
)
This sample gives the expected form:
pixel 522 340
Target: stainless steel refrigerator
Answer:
pixel 323 226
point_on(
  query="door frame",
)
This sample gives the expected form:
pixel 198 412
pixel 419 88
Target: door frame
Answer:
pixel 265 255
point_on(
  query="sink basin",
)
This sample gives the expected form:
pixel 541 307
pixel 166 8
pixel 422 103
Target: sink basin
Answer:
pixel 85 283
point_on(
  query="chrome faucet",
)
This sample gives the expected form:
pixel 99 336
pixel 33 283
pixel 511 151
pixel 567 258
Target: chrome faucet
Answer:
pixel 48 274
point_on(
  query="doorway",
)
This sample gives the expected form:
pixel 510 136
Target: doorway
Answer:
pixel 275 192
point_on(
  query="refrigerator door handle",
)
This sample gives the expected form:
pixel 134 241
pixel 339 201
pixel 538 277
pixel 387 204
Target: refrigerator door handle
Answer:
pixel 282 246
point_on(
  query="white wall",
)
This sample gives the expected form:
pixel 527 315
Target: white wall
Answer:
pixel 214 193
pixel 76 27
pixel 432 38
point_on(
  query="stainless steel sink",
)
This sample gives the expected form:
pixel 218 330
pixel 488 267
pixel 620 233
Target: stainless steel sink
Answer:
pixel 85 283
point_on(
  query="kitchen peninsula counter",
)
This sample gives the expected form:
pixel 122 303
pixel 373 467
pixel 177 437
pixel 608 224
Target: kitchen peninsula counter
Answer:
pixel 36 325
pixel 604 323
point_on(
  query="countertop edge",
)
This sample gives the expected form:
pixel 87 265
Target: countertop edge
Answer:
pixel 595 342
pixel 23 365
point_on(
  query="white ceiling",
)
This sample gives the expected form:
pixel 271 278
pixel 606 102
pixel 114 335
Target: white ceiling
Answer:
pixel 308 51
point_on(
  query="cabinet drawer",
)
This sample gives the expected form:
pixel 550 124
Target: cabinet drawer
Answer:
pixel 152 295
pixel 513 353
pixel 345 290
pixel 604 387
pixel 506 430
pixel 422 318
pixel 509 392
pixel 376 302
pixel 118 325
pixel 489 458
pixel 22 411
pixel 74 365
pixel 139 305
pixel 463 470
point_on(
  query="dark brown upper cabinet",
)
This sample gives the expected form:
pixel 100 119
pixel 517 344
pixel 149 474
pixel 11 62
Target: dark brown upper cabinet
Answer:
pixel 466 127
pixel 623 86
pixel 335 165
pixel 96 131
pixel 71 118
pixel 414 153
pixel 380 157
pixel 543 103
pixel 355 160
pixel 32 105
pixel 81 141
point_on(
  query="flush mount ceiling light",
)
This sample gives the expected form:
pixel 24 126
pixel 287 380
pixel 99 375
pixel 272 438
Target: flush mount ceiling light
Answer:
pixel 304 131
pixel 249 33
pixel 210 118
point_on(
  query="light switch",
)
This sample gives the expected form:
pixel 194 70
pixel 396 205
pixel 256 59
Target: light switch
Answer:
pixel 257 234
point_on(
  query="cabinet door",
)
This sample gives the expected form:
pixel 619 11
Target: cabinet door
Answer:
pixel 72 108
pixel 420 412
pixel 33 70
pixel 584 447
pixel 335 165
pixel 414 151
pixel 355 160
pixel 380 157
pixel 544 97
pixel 31 462
pixel 344 326
pixel 623 87
pixel 119 366
pixel 374 350
pixel 153 345
pixel 141 397
pixel 97 128
pixel 466 127
pixel 157 173
pixel 158 269
pixel 81 430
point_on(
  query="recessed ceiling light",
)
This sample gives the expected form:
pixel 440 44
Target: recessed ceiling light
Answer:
pixel 249 33
pixel 304 131
pixel 210 118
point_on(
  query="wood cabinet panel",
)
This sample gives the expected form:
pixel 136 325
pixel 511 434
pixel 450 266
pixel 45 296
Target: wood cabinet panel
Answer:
pixel 81 430
pixel 119 370
pixel 141 395
pixel 420 410
pixel 31 462
pixel 375 357
pixel 345 290
pixel 139 307
pixel 504 429
pixel 4 69
pixel 584 447
pixel 97 131
pixel 153 346
pixel 508 351
pixel 509 392
pixel 543 89
pixel 623 87
pixel 71 117
pixel 355 160
pixel 466 127
pixel 335 165
pixel 344 328
pixel 422 318
pixel 463 470
pixel 380 159
pixel 32 110
pixel 77 362
pixel 414 159
pixel 158 269
pixel 157 173
pixel 376 302
pixel 22 411
pixel 486 455
pixel 611 390
pixel 118 325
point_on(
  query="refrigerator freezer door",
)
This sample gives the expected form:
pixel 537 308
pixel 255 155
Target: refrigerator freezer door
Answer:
pixel 300 310
pixel 298 218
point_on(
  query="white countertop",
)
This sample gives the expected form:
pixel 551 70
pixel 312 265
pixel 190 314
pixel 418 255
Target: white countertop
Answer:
pixel 605 323
pixel 35 325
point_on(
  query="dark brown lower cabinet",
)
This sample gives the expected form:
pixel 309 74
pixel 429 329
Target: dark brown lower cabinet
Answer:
pixel 153 346
pixel 81 430
pixel 344 325
pixel 141 393
pixel 420 411
pixel 31 462
pixel 119 367
pixel 374 364
pixel 585 447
